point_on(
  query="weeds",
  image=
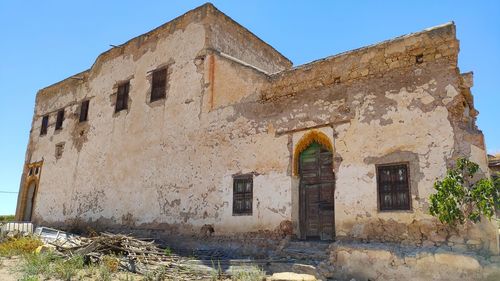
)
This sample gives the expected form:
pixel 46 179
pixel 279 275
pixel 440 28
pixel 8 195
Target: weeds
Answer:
pixel 30 278
pixel 168 251
pixel 127 278
pixel 252 274
pixel 111 262
pixel 156 275
pixel 104 273
pixel 19 246
pixel 217 274
pixel 67 269
pixel 36 264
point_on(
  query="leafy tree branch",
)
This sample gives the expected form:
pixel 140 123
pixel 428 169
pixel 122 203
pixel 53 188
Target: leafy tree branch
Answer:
pixel 461 197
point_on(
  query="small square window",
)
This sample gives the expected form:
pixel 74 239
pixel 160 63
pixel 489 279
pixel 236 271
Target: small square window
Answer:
pixel 60 119
pixel 419 59
pixel 122 97
pixel 59 150
pixel 45 124
pixel 242 195
pixel 159 85
pixel 393 187
pixel 84 111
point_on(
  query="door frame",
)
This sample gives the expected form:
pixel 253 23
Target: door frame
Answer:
pixel 302 199
pixel 33 200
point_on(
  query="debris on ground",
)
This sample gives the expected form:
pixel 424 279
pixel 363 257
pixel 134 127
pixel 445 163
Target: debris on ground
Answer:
pixel 134 254
pixel 125 253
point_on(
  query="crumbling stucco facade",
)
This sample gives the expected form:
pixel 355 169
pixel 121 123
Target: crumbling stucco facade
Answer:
pixel 235 106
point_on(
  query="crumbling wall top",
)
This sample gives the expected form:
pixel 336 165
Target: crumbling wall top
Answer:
pixel 436 44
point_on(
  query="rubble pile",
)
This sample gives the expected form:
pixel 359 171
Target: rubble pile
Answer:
pixel 124 252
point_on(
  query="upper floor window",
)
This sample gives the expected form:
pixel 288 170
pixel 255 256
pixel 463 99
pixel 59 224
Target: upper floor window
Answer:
pixel 84 111
pixel 242 195
pixel 60 119
pixel 419 58
pixel 393 187
pixel 159 85
pixel 45 125
pixel 122 97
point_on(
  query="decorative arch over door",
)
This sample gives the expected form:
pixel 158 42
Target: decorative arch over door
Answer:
pixel 305 141
pixel 316 192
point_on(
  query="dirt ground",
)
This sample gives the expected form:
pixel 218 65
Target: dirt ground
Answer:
pixel 9 272
pixel 8 269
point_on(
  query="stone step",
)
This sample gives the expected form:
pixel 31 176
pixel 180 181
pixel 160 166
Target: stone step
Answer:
pixel 268 266
pixel 304 250
pixel 303 254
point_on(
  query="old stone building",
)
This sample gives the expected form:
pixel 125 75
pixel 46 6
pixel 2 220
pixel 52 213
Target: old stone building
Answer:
pixel 198 125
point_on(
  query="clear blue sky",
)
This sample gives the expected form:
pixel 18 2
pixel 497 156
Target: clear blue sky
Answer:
pixel 43 42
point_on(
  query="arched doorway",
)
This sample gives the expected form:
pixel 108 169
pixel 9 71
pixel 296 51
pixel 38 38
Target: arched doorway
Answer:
pixel 316 194
pixel 30 201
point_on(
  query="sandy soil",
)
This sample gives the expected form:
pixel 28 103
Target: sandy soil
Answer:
pixel 7 269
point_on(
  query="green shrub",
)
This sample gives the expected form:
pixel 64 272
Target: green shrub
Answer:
pixel 7 218
pixel 167 251
pixel 461 197
pixel 19 246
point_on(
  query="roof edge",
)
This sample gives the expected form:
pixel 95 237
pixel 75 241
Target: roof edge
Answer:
pixel 450 24
pixel 201 8
pixel 215 9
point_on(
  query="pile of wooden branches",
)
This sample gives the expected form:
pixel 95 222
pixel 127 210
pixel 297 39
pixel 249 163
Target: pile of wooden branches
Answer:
pixel 128 254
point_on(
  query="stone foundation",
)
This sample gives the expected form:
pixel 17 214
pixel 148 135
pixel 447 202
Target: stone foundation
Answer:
pixel 427 233
pixel 392 262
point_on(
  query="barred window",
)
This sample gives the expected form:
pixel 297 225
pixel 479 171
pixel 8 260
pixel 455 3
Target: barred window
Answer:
pixel 242 195
pixel 122 97
pixel 393 187
pixel 159 85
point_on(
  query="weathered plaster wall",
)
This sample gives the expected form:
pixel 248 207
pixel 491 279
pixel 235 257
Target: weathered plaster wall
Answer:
pixel 228 36
pixel 168 165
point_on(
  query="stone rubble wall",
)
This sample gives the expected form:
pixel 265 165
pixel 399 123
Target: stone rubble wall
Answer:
pixel 436 45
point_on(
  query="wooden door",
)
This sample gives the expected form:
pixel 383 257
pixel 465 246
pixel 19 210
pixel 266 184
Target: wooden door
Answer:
pixel 317 185
pixel 30 202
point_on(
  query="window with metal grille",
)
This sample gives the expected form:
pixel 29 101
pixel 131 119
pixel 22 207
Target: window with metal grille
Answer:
pixel 159 85
pixel 242 195
pixel 45 124
pixel 60 119
pixel 393 187
pixel 84 111
pixel 122 97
